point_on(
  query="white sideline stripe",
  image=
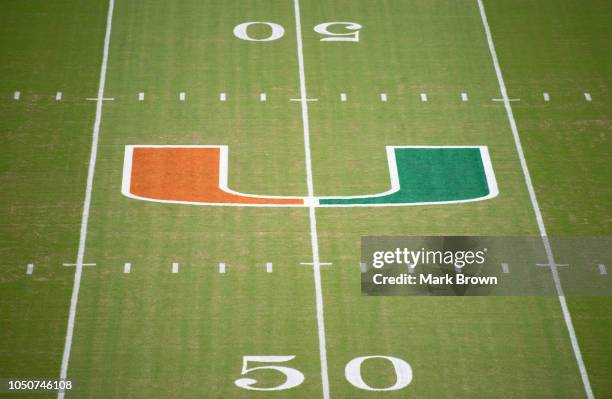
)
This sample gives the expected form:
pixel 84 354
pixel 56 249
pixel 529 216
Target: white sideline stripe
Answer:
pixel 546 97
pixel 314 240
pixel 17 95
pixel 343 97
pixel 424 97
pixel 30 268
pixel 141 96
pixel 222 97
pixel 175 266
pixel 587 96
pixel 464 97
pixel 383 97
pixel 263 97
pixel 221 267
pixel 58 96
pixel 602 269
pixel 363 267
pixel 127 267
pixel 536 208
pixel 85 217
pixel 269 267
pixel 182 96
pixel 505 268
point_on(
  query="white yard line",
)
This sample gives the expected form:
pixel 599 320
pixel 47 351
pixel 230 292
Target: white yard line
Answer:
pixel 85 216
pixel 536 208
pixel 311 206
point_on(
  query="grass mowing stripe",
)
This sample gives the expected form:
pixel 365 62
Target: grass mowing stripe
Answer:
pixel 311 205
pixel 85 217
pixel 536 208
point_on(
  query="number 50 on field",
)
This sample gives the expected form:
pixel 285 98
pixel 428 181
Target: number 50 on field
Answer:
pixel 277 31
pixel 294 377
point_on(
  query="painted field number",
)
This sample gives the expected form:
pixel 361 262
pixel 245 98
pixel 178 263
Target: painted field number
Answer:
pixel 294 377
pixel 325 29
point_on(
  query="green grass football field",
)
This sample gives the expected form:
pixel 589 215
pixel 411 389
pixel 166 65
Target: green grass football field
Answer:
pixel 419 73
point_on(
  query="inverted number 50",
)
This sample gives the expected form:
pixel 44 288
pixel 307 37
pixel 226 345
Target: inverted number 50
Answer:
pixel 294 377
pixel 277 31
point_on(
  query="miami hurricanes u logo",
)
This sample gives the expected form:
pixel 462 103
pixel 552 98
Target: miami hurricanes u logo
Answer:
pixel 198 175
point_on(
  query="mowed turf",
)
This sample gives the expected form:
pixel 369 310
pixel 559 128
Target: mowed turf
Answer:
pixel 156 334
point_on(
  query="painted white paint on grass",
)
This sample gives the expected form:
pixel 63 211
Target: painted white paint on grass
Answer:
pixel 536 207
pixel 602 269
pixel 58 96
pixel 127 268
pixel 182 96
pixel 222 96
pixel 141 96
pixel 546 97
pixel 74 298
pixel 464 97
pixel 222 267
pixel 587 96
pixel 263 97
pixel 30 268
pixel 411 267
pixel 269 267
pixel 314 239
pixel 96 99
pixel 175 267
pixel 363 267
pixel 17 95
pixel 424 97
pixel 343 97
pixel 383 97
pixel 505 268
pixel 77 264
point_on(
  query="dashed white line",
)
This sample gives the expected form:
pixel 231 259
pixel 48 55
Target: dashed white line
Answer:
pixel 383 97
pixel 424 97
pixel 343 97
pixel 263 97
pixel 222 96
pixel 363 267
pixel 221 267
pixel 269 267
pixel 602 269
pixel 546 97
pixel 141 96
pixel 182 96
pixel 505 268
pixel 127 267
pixel 58 96
pixel 17 95
pixel 464 97
pixel 175 267
pixel 587 96
pixel 30 268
